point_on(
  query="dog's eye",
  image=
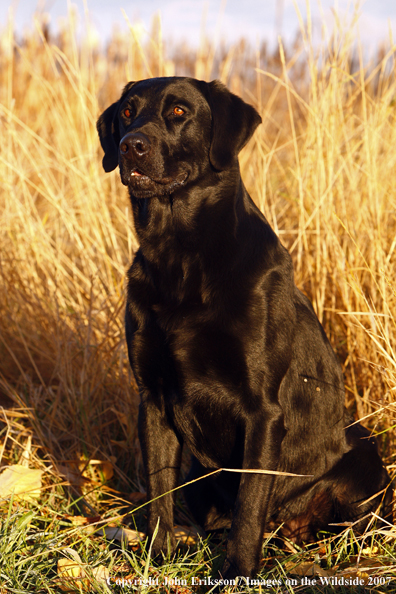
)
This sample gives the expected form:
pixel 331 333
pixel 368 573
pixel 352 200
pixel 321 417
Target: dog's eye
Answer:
pixel 127 113
pixel 178 111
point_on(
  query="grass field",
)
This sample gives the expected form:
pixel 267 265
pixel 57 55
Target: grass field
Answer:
pixel 322 167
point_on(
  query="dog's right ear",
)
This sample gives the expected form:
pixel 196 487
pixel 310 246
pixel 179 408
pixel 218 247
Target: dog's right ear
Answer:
pixel 109 132
pixel 109 135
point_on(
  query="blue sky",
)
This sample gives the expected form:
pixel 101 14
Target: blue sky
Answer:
pixel 228 19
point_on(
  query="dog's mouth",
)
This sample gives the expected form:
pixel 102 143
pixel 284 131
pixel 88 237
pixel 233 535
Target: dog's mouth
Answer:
pixel 137 173
pixel 143 185
pixel 134 177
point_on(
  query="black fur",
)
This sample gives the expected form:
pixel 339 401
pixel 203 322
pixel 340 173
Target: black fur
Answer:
pixel 228 354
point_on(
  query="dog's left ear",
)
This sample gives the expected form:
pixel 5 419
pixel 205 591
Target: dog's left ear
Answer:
pixel 233 123
pixel 109 132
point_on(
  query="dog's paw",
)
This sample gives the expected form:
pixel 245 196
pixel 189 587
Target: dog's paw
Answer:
pixel 230 572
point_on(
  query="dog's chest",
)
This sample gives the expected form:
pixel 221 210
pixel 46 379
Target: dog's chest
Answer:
pixel 214 381
pixel 207 355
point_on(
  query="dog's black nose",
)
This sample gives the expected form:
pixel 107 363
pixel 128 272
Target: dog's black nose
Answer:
pixel 135 144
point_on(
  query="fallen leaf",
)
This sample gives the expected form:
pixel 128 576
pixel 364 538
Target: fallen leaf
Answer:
pixel 355 573
pixel 370 551
pixel 307 568
pixel 73 477
pixel 73 573
pixel 102 467
pixel 100 573
pixel 369 563
pixel 70 571
pixel 70 568
pixel 123 535
pixel 137 497
pixel 81 520
pixel 186 535
pixel 73 554
pixel 24 483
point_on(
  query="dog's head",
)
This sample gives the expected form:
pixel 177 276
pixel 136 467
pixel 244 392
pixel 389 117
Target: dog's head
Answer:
pixel 167 132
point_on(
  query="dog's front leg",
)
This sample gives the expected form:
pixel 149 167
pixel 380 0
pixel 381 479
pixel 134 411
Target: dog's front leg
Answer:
pixel 161 448
pixel 161 451
pixel 263 438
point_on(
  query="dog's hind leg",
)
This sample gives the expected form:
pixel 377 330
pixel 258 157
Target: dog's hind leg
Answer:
pixel 359 482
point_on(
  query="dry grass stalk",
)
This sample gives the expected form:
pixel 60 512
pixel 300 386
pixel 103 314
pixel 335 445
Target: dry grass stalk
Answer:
pixel 322 167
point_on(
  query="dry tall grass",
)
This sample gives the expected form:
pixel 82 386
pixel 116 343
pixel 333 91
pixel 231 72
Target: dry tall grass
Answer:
pixel 322 167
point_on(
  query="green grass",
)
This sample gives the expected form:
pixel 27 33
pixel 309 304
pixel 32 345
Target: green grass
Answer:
pixel 34 540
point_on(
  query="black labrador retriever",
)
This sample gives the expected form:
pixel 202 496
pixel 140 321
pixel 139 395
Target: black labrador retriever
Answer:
pixel 228 354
